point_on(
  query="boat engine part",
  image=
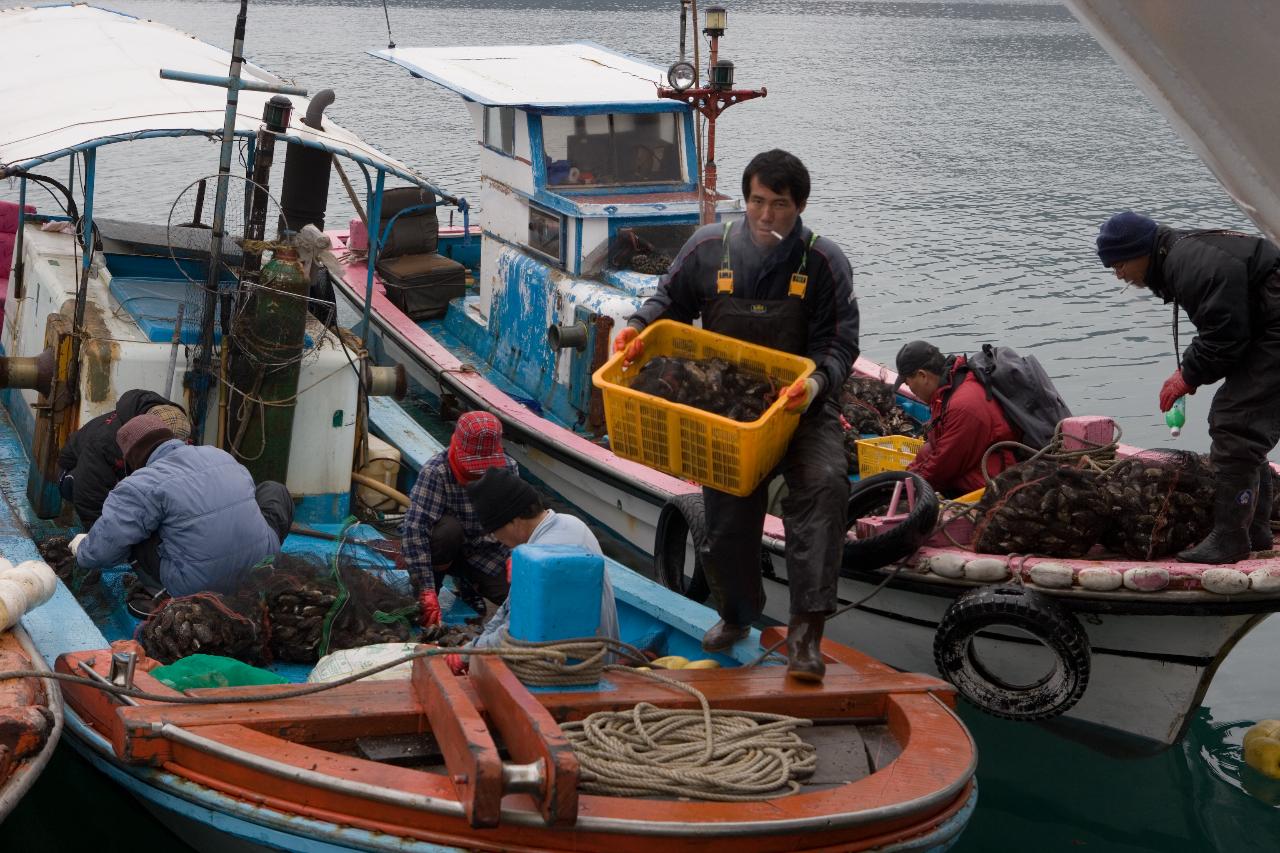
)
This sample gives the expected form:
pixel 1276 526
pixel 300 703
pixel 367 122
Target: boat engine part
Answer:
pixel 870 496
pixel 1028 611
pixel 573 336
pixel 681 517
pixel 389 381
pixel 34 372
pixel 304 196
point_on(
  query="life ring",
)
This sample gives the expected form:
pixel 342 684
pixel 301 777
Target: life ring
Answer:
pixel 984 608
pixel 867 497
pixel 681 517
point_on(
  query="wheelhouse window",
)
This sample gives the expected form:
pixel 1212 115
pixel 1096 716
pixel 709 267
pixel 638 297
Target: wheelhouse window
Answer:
pixel 545 229
pixel 500 129
pixel 612 150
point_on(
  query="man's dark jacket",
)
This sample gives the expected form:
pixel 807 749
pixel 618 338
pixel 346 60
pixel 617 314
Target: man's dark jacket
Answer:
pixel 690 285
pixel 93 458
pixel 1217 277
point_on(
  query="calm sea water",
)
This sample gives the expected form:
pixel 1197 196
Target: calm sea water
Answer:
pixel 963 154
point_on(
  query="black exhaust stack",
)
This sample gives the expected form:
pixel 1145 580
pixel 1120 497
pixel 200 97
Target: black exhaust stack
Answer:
pixel 305 195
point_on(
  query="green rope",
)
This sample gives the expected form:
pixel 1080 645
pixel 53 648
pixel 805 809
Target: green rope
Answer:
pixel 344 595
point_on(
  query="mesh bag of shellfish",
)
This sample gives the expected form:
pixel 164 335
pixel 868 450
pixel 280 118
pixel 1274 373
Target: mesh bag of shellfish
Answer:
pixel 1041 507
pixel 310 607
pixel 712 385
pixel 1165 499
pixel 204 623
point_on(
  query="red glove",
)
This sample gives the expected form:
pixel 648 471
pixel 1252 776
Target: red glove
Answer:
pixel 1174 387
pixel 628 342
pixel 457 664
pixel 430 605
pixel 800 394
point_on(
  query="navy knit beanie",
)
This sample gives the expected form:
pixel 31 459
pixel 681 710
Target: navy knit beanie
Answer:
pixel 1125 235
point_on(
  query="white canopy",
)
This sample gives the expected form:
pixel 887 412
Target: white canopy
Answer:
pixel 1211 69
pixel 581 74
pixel 72 77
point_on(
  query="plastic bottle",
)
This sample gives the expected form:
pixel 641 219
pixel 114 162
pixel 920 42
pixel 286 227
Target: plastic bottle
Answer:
pixel 1176 417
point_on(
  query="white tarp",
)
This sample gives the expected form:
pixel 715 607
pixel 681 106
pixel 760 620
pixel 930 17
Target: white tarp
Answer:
pixel 561 75
pixel 1211 68
pixel 70 75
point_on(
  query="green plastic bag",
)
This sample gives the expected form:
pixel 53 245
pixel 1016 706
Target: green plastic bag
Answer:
pixel 196 671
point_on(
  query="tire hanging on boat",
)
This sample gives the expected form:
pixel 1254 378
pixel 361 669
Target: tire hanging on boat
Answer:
pixel 871 497
pixel 1015 607
pixel 681 517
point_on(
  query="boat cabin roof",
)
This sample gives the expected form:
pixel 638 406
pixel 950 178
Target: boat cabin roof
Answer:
pixel 579 77
pixel 92 77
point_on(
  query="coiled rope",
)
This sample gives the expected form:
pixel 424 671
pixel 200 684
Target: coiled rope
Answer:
pixel 730 756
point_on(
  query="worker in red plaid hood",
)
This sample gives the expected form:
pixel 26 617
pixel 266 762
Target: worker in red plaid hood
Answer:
pixel 442 533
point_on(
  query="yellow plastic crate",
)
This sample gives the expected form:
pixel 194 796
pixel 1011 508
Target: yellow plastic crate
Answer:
pixel 887 453
pixel 715 451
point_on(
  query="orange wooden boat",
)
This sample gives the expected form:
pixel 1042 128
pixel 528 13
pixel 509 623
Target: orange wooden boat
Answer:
pixel 480 762
pixel 30 720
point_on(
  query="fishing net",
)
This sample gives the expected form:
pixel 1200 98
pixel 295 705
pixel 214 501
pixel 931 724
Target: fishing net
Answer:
pixel 713 385
pixel 1162 501
pixel 1042 507
pixel 310 607
pixel 294 608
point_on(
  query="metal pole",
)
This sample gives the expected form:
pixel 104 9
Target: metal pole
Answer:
pixel 219 223
pixel 375 234
pixel 18 276
pixel 709 171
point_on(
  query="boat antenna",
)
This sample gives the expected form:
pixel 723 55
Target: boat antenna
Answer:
pixel 391 44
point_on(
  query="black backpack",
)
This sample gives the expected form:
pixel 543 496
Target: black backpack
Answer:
pixel 1024 391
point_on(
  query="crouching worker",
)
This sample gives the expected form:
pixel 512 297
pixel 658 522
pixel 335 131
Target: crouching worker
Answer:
pixel 510 510
pixel 443 535
pixel 964 420
pixel 188 518
pixel 91 462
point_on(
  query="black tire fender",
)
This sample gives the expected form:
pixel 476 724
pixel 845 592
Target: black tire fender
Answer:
pixel 902 541
pixel 1017 607
pixel 681 517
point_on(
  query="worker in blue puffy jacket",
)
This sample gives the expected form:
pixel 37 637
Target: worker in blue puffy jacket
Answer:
pixel 188 518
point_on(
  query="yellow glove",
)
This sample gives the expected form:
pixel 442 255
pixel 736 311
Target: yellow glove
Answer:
pixel 800 395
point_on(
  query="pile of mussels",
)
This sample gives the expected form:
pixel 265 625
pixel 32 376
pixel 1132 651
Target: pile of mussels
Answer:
pixel 713 385
pixel 200 624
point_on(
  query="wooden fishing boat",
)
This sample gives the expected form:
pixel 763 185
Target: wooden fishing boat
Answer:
pixel 30 719
pixel 1143 639
pixel 426 763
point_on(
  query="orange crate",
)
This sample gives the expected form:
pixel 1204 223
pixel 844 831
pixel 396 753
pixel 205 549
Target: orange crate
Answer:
pixel 887 453
pixel 715 451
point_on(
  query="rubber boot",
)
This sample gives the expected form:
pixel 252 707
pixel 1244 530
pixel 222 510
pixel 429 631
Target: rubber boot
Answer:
pixel 1260 535
pixel 723 635
pixel 1233 505
pixel 804 647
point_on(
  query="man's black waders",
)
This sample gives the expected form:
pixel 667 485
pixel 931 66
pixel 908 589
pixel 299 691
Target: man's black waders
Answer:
pixel 813 469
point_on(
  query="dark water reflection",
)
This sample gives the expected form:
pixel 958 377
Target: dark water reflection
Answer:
pixel 963 154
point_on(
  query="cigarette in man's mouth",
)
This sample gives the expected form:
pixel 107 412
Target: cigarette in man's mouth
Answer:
pixel 776 236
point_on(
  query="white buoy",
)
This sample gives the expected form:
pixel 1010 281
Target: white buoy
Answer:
pixel 947 565
pixel 13 603
pixel 986 569
pixel 44 574
pixel 1052 575
pixel 1225 581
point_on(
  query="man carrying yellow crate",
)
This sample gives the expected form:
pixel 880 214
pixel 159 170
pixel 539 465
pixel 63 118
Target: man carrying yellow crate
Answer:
pixel 771 281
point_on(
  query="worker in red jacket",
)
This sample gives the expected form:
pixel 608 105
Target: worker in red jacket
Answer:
pixel 964 420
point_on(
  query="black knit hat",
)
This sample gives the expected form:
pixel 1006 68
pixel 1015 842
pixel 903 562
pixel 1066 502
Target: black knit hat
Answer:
pixel 500 496
pixel 1126 235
